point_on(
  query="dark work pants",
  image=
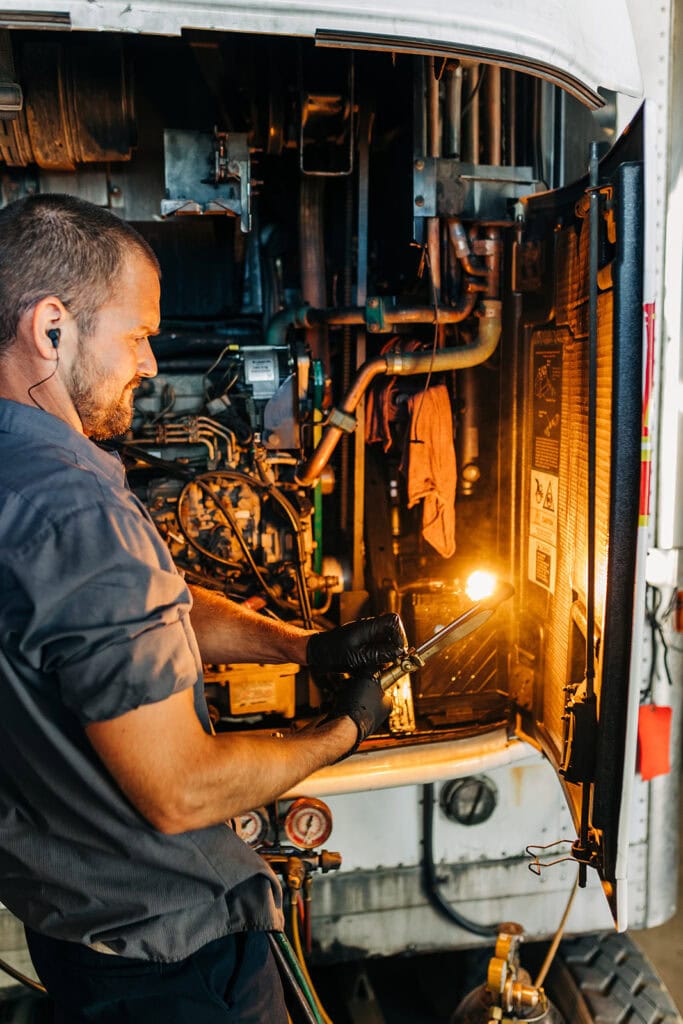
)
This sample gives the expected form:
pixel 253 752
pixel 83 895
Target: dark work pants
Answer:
pixel 232 980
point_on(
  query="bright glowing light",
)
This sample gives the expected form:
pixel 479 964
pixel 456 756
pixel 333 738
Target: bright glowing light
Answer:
pixel 480 585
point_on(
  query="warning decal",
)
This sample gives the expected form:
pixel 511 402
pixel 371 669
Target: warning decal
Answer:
pixel 542 564
pixel 543 506
pixel 547 406
pixel 549 501
pixel 544 479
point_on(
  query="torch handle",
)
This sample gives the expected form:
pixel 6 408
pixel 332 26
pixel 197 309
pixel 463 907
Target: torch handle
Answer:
pixel 475 616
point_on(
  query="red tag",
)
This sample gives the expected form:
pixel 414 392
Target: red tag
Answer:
pixel 654 733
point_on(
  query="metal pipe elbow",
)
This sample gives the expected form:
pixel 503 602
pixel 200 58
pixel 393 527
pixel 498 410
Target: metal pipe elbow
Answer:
pixel 490 326
pixel 457 236
pixel 276 333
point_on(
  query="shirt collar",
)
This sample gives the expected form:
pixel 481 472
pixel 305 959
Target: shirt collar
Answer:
pixel 48 430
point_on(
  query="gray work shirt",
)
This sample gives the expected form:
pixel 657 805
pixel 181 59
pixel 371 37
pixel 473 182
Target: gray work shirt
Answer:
pixel 94 621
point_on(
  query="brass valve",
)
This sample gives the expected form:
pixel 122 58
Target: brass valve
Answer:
pixel 508 983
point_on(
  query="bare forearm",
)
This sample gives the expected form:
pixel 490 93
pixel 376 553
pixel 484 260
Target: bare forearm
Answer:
pixel 187 778
pixel 227 632
pixel 238 772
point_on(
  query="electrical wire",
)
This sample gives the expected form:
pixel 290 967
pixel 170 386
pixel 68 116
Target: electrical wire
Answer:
pixel 184 473
pixel 43 381
pixel 285 505
pixel 214 366
pixel 470 99
pixel 234 526
pixel 290 513
pixel 653 602
pixel 168 396
pixel 557 938
pixel 435 301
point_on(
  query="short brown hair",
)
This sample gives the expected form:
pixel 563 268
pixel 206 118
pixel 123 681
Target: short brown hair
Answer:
pixel 63 246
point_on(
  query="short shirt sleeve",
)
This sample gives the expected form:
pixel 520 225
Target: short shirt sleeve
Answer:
pixel 107 614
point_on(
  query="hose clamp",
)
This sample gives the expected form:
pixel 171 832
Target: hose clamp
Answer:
pixel 342 420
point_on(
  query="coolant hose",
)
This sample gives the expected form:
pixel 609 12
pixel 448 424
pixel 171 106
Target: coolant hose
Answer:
pixel 430 879
pixel 290 969
pixel 296 940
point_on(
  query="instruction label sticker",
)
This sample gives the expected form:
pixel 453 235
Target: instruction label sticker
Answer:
pixel 252 696
pixel 542 564
pixel 260 369
pixel 547 407
pixel 544 478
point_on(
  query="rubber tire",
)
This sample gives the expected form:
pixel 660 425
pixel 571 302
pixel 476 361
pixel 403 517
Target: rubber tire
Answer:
pixel 604 978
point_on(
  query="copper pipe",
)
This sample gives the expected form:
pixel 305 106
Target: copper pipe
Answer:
pixel 306 317
pixel 493 259
pixel 433 229
pixel 457 236
pixel 454 112
pixel 312 258
pixel 401 314
pixel 406 364
pixel 471 136
pixel 314 466
pixel 511 146
pixel 494 105
pixel 434 250
pixel 433 110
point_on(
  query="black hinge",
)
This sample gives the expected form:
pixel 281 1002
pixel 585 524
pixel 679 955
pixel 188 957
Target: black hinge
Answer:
pixel 580 735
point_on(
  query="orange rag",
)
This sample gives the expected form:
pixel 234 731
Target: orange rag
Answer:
pixel 381 400
pixel 429 466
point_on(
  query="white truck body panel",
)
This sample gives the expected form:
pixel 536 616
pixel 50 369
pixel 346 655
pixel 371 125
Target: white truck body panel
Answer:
pixel 587 45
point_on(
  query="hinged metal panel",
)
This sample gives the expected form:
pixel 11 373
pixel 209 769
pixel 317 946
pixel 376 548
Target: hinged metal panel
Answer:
pixel 581 46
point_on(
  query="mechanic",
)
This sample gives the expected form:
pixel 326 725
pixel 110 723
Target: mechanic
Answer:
pixel 140 903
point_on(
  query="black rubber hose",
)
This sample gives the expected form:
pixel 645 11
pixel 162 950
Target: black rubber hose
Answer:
pixel 290 972
pixel 174 469
pixel 272 492
pixel 430 879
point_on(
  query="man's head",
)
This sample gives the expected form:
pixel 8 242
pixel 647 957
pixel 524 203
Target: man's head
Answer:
pixel 79 295
pixel 63 246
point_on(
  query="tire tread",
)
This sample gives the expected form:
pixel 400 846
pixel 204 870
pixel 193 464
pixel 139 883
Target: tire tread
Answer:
pixel 617 981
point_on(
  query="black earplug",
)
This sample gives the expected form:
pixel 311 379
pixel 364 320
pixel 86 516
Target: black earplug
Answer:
pixel 53 335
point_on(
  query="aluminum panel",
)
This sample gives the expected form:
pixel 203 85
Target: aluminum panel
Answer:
pixel 583 45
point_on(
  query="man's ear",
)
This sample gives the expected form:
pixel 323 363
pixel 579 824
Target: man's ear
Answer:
pixel 44 324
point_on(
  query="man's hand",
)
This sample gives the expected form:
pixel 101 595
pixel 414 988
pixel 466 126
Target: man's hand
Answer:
pixel 362 646
pixel 365 703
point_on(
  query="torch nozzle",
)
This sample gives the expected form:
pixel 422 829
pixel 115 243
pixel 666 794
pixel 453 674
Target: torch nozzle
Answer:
pixel 476 615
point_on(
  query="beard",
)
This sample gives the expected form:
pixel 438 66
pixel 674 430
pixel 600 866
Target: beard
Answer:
pixel 104 413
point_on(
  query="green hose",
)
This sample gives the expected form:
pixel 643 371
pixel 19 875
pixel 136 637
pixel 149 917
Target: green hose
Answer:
pixel 287 952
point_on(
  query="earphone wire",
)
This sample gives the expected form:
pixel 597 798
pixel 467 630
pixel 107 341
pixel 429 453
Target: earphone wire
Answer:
pixel 43 381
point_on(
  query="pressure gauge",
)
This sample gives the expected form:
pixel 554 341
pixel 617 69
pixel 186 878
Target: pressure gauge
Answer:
pixel 252 826
pixel 308 822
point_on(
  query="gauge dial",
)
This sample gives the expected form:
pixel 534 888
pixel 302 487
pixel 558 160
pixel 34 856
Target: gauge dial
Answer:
pixel 308 822
pixel 252 826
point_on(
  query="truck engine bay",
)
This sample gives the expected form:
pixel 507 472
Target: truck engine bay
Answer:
pixel 374 370
pixel 332 307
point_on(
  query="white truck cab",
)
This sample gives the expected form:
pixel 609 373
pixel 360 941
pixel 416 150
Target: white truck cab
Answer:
pixel 420 318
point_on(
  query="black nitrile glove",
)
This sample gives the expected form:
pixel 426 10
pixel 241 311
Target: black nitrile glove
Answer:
pixel 366 704
pixel 360 646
